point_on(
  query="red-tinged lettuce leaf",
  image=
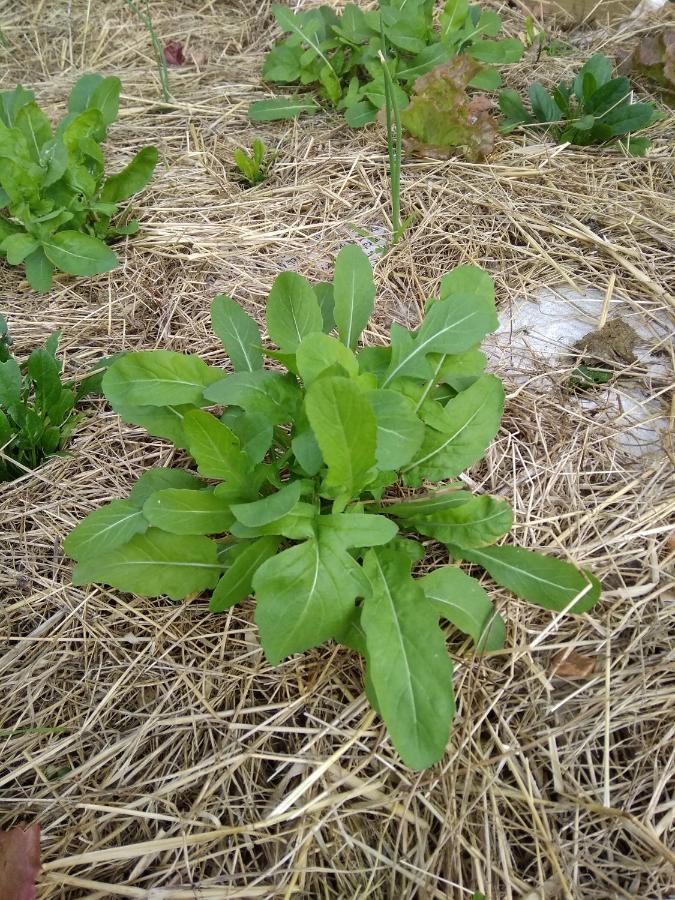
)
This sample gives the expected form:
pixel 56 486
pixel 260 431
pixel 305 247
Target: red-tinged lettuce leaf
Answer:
pixel 19 863
pixel 654 57
pixel 442 116
pixel 173 54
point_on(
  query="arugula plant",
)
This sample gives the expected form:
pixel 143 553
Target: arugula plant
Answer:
pixel 339 56
pixel 37 409
pixel 300 494
pixel 594 108
pixel 56 205
pixel 255 165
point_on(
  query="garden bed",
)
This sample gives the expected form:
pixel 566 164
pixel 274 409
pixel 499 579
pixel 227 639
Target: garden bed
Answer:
pixel 160 753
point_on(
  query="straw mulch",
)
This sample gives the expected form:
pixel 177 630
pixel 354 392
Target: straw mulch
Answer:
pixel 160 753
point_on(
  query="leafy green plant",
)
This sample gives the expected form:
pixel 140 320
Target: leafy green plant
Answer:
pixel 255 165
pixel 37 409
pixel 339 56
pixel 301 490
pixel 594 108
pixel 56 205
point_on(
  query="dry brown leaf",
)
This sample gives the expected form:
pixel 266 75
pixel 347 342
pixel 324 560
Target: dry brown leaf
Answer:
pixel 570 664
pixel 173 54
pixel 19 863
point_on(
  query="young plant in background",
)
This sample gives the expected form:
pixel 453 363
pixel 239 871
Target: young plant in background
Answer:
pixel 339 56
pixel 301 493
pixel 254 166
pixel 145 18
pixel 594 108
pixel 56 205
pixel 37 409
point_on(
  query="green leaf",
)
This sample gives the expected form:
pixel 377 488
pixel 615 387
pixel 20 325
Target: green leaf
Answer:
pixel 282 108
pixel 277 397
pixel 292 311
pixel 479 521
pixel 487 79
pixel 180 511
pixel 425 61
pixel 354 293
pixel 460 434
pixel 503 52
pixel 449 327
pixel 462 601
pixel 304 596
pixel 81 94
pixel 324 294
pixel 282 64
pixel 106 98
pixel 235 584
pixel 544 580
pixel 10 382
pixel 361 114
pixel 18 247
pixel 628 117
pixel 35 127
pixel 238 332
pixel 268 509
pixel 132 178
pixel 600 70
pixel 356 529
pixel 544 107
pixel 399 431
pixel 39 271
pixel 161 480
pixel 155 563
pixel 296 525
pixel 345 428
pixel 254 431
pixel 427 504
pixel 453 16
pixel 216 449
pixel 318 352
pixel 408 663
pixel 157 378
pixel 159 421
pixel 103 530
pixel 78 254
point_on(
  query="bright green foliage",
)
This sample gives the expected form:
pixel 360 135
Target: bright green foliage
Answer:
pixel 56 205
pixel 290 500
pixel 339 55
pixel 37 409
pixel 254 166
pixel 594 108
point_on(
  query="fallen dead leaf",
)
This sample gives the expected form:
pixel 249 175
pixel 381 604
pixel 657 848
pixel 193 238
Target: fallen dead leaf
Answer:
pixel 570 664
pixel 19 863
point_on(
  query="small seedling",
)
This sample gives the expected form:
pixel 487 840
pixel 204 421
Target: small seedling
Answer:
pixel 254 166
pixel 302 493
pixel 37 409
pixel 594 108
pixel 339 55
pixel 145 18
pixel 56 205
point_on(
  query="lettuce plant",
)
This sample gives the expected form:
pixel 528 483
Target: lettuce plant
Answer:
pixel 340 55
pixel 303 488
pixel 56 205
pixel 594 108
pixel 37 409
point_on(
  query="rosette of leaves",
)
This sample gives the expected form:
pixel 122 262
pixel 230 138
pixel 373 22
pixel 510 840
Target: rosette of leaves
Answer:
pixel 339 55
pixel 594 108
pixel 56 205
pixel 37 409
pixel 300 494
pixel 654 57
pixel 441 116
pixel 255 165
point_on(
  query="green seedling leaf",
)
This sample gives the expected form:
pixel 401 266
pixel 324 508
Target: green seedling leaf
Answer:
pixel 282 108
pixel 407 661
pixel 181 511
pixel 324 294
pixel 345 428
pixel 157 378
pixel 82 92
pixel 509 50
pixel 268 509
pixel 235 585
pixel 292 311
pixel 349 530
pixel 159 421
pixel 542 580
pixel 162 480
pixel 461 600
pixel 238 332
pixel 544 107
pixel 354 293
pixel 78 254
pixel 274 396
pixel 17 247
pixel 133 177
pixel 318 352
pixel 106 528
pixel 399 431
pixel 216 449
pixel 361 114
pixel 155 563
pixel 474 523
pixel 39 271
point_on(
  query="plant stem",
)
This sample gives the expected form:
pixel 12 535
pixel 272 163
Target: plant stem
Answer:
pixel 393 142
pixel 146 20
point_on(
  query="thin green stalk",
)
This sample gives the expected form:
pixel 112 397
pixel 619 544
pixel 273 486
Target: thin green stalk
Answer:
pixel 162 70
pixel 393 142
